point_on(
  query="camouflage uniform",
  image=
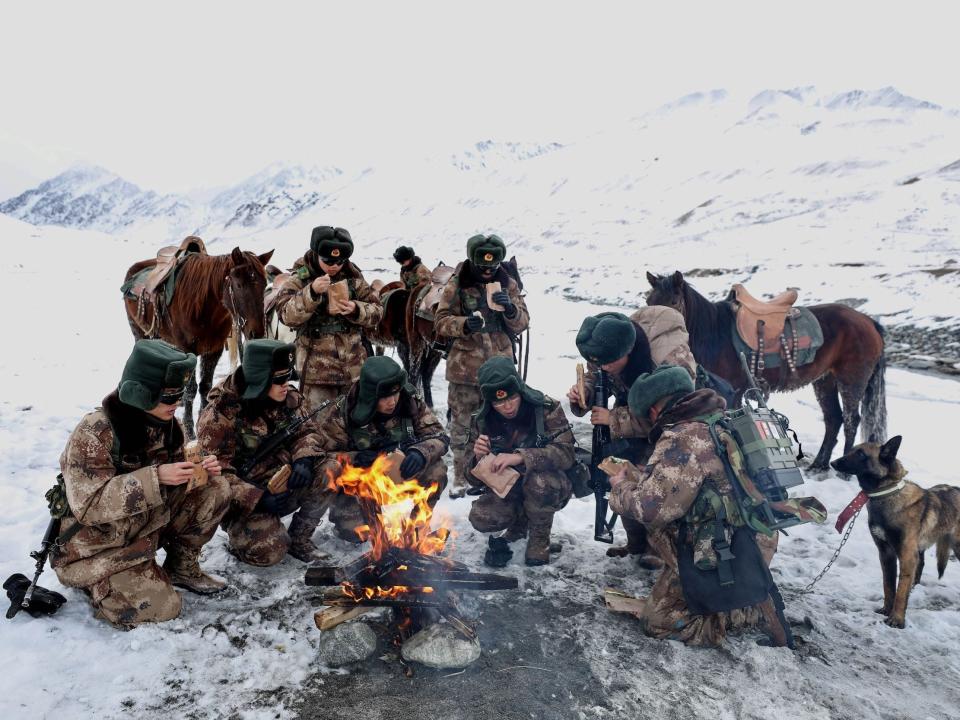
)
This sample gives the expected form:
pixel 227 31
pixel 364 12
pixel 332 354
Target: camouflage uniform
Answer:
pixel 462 295
pixel 343 437
pixel 666 334
pixel 329 347
pixel 236 428
pixel 414 274
pixel 660 495
pixel 125 515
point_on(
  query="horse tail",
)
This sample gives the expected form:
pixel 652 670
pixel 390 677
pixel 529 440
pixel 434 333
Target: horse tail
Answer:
pixel 873 407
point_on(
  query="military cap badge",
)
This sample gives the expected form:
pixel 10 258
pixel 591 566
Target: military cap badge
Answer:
pixel 335 252
pixel 501 394
pixel 488 257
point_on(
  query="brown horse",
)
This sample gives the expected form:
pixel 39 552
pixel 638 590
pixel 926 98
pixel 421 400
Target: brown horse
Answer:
pixel 214 294
pixel 849 364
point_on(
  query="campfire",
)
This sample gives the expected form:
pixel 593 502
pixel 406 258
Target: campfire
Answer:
pixel 403 569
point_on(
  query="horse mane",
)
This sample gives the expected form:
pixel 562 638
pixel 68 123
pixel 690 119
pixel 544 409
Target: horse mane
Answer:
pixel 200 275
pixel 708 325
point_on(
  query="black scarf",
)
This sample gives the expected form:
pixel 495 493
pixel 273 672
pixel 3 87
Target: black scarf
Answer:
pixel 130 425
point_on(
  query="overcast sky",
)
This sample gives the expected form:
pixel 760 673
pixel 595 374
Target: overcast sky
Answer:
pixel 199 93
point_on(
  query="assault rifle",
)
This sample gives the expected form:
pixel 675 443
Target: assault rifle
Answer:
pixel 599 482
pixel 27 595
pixel 272 442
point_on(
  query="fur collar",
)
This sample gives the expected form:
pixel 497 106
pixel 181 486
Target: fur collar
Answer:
pixel 131 425
pixel 688 407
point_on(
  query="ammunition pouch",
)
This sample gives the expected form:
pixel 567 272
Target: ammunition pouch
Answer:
pixel 579 473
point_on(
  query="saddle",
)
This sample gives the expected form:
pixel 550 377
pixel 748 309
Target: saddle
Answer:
pixel 428 297
pixel 167 259
pixel 270 298
pixel 761 323
pixel 153 284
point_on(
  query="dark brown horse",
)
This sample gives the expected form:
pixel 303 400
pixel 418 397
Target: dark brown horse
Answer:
pixel 848 369
pixel 214 294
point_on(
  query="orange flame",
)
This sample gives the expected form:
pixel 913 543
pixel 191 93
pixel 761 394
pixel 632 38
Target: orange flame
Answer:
pixel 366 593
pixel 403 514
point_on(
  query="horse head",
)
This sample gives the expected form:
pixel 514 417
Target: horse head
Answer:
pixel 244 287
pixel 667 290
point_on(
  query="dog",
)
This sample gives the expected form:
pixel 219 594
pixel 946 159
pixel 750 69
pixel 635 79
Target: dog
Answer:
pixel 904 520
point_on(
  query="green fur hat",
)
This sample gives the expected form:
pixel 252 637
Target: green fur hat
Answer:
pixel 486 250
pixel 261 359
pixel 663 382
pixel 606 337
pixel 380 377
pixel 153 366
pixel 331 242
pixel 499 379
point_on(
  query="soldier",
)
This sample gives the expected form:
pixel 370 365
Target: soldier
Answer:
pixel 479 333
pixel 125 480
pixel 412 270
pixel 329 343
pixel 242 412
pixel 624 348
pixel 382 412
pixel 529 432
pixel 676 491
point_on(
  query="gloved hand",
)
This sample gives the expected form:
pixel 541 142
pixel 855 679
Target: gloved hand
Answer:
pixel 412 464
pixel 302 474
pixel 43 602
pixel 501 297
pixel 474 324
pixel 365 458
pixel 272 504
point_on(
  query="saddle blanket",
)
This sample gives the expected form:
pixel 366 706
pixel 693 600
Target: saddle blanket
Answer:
pixel 809 340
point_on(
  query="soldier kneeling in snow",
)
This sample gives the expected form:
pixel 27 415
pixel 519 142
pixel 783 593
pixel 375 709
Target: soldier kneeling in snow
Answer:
pixel 126 485
pixel 675 495
pixel 243 412
pixel 529 433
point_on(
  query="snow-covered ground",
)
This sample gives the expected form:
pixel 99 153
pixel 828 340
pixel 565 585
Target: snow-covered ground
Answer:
pixel 250 653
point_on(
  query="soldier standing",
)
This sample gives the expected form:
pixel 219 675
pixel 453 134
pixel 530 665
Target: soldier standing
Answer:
pixel 382 412
pixel 412 270
pixel 529 432
pixel 624 348
pixel 329 342
pixel 125 480
pixel 677 491
pixel 479 332
pixel 243 412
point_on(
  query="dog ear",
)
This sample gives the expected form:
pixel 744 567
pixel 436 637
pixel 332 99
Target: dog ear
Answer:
pixel 889 450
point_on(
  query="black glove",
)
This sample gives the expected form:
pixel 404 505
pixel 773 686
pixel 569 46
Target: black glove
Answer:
pixel 502 298
pixel 272 504
pixel 365 458
pixel 413 463
pixel 302 474
pixel 474 323
pixel 43 601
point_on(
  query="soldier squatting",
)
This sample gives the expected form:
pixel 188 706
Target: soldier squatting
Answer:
pixel 126 479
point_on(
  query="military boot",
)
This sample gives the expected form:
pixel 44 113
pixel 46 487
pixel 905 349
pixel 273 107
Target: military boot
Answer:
pixel 636 540
pixel 538 539
pixel 774 624
pixel 301 540
pixel 498 552
pixel 183 567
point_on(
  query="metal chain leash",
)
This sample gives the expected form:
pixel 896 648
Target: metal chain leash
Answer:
pixel 846 536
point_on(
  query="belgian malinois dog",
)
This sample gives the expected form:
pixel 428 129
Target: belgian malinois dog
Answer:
pixel 904 520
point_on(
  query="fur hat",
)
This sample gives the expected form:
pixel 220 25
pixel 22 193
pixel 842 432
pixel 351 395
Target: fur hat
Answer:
pixel 486 250
pixel 261 359
pixel 499 379
pixel 403 253
pixel 606 337
pixel 331 242
pixel 663 382
pixel 380 377
pixel 153 366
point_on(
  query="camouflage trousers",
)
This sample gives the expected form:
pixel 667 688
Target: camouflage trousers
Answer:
pixel 535 495
pixel 316 394
pixel 345 512
pixel 143 593
pixel 462 401
pixel 666 615
pixel 261 539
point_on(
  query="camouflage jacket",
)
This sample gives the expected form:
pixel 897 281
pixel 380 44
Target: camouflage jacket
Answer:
pixel 233 429
pixel 520 436
pixel 669 344
pixel 684 461
pixel 329 347
pixel 122 509
pixel 342 437
pixel 414 274
pixel 462 296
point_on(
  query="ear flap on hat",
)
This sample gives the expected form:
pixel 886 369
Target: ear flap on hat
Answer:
pixel 138 395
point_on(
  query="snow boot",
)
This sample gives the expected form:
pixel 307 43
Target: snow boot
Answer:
pixel 183 567
pixel 301 540
pixel 538 541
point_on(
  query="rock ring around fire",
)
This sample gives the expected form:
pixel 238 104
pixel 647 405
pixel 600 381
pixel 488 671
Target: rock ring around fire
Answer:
pixel 345 644
pixel 440 646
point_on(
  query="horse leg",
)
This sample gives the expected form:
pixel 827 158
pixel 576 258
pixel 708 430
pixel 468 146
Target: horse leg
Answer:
pixel 208 363
pixel 188 395
pixel 825 388
pixel 429 366
pixel 850 396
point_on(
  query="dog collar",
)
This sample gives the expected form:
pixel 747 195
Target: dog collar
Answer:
pixel 889 491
